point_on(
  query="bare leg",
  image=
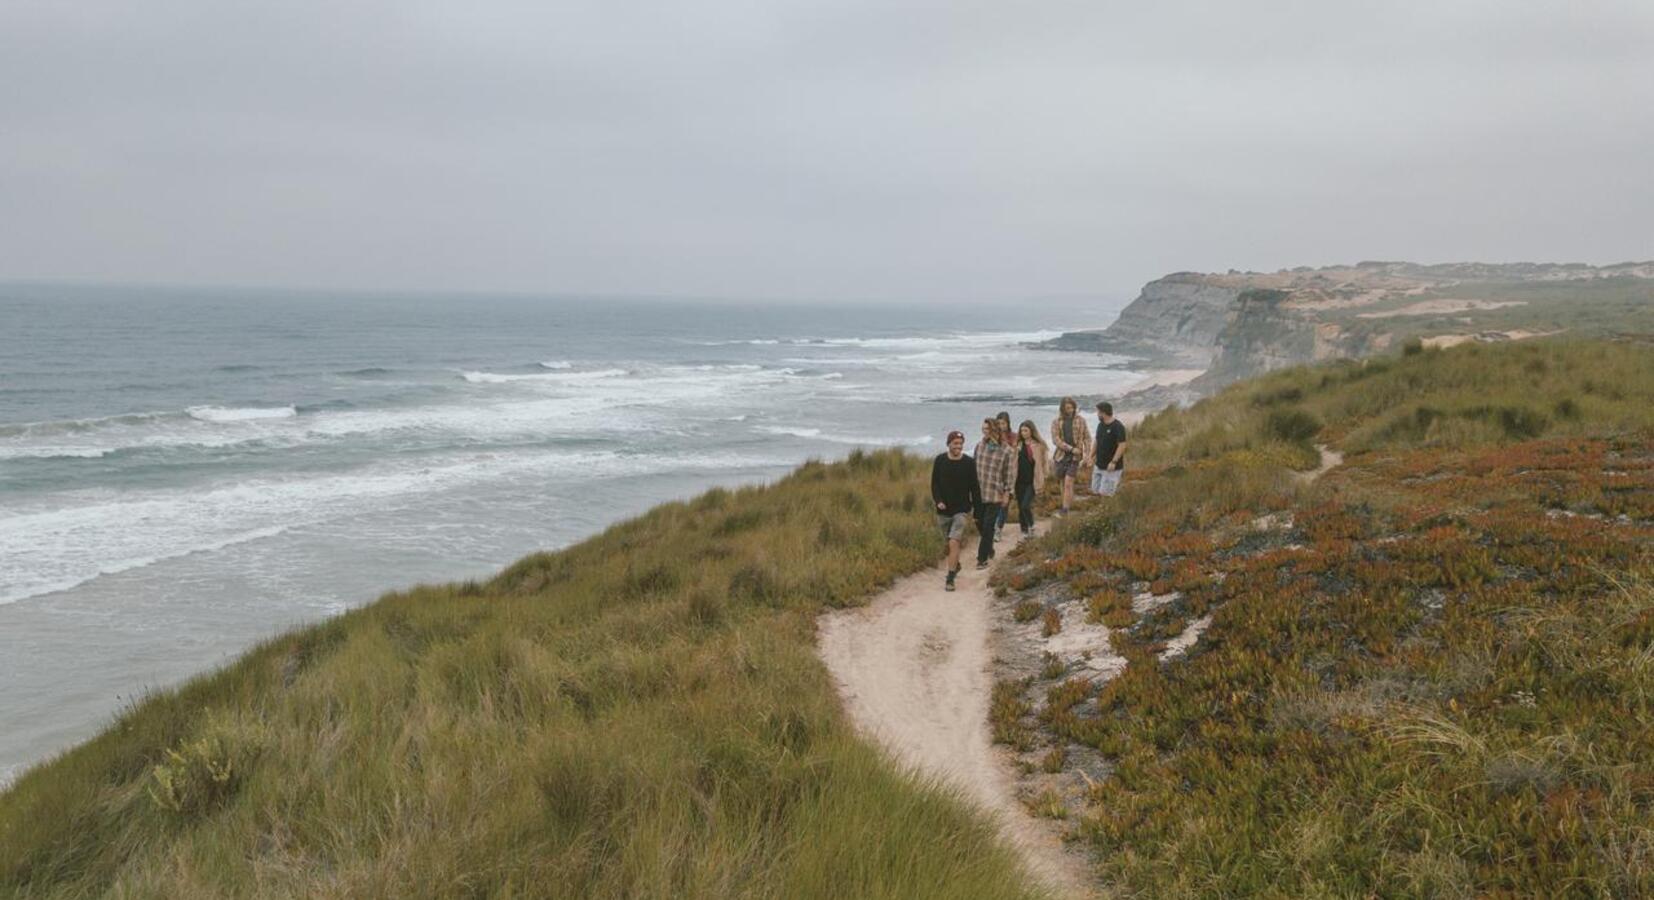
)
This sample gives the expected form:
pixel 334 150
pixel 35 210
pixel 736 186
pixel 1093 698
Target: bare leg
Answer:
pixel 1067 492
pixel 953 554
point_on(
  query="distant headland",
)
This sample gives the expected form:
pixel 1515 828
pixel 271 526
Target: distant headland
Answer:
pixel 1235 325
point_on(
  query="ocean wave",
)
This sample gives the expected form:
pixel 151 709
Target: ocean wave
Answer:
pixel 223 414
pixel 56 452
pixel 115 567
pixel 369 372
pixel 76 426
pixel 554 377
pixel 556 364
pixel 790 430
pixel 800 431
pixel 58 544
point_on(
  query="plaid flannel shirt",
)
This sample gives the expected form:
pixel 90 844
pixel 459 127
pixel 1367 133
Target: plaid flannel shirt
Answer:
pixel 1082 439
pixel 995 469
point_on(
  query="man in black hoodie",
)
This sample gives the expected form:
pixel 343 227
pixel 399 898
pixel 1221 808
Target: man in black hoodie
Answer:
pixel 954 490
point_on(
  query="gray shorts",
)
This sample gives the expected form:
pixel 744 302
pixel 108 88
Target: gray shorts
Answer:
pixel 953 527
pixel 1065 468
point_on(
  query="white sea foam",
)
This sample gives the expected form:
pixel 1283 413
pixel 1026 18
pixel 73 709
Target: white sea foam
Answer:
pixel 55 452
pixel 57 545
pixel 222 414
pixel 790 430
pixel 556 364
pixel 852 440
pixel 552 377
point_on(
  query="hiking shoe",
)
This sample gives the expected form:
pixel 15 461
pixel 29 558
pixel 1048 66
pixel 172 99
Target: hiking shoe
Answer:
pixel 982 564
pixel 948 585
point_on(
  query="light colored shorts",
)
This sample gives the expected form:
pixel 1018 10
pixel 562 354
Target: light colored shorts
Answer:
pixel 953 527
pixel 1104 482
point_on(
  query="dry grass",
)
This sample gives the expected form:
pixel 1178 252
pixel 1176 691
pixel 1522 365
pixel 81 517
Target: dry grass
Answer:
pixel 641 715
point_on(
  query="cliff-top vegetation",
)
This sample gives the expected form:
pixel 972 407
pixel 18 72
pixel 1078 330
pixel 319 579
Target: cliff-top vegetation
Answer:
pixel 1428 672
pixel 640 715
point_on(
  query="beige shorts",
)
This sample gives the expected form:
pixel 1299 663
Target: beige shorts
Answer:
pixel 953 527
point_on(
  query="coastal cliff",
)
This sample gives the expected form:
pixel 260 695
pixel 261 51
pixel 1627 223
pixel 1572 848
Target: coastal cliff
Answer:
pixel 1237 325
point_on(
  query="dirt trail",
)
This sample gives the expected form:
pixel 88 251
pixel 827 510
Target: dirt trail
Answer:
pixel 1330 459
pixel 913 668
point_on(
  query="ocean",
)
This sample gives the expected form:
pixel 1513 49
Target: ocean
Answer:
pixel 186 472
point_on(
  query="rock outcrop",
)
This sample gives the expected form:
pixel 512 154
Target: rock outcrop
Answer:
pixel 1239 324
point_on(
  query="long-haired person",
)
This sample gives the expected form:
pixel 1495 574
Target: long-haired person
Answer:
pixel 1009 439
pixel 993 478
pixel 1032 462
pixel 1071 441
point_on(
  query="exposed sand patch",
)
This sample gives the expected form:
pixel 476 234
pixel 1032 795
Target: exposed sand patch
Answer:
pixel 913 668
pixel 1440 307
pixel 1165 378
pixel 1443 341
pixel 1180 645
pixel 1330 459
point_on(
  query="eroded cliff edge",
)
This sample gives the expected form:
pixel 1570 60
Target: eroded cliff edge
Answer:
pixel 1236 325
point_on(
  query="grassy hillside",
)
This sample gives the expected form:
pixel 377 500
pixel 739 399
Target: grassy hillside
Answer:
pixel 637 716
pixel 1429 672
pixel 1585 307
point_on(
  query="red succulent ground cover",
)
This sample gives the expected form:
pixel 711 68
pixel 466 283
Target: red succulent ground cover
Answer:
pixel 1429 673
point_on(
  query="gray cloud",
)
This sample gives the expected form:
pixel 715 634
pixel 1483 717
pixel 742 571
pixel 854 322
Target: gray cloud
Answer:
pixel 813 148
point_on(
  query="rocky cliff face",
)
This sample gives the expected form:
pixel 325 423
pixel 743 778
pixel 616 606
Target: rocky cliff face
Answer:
pixel 1239 324
pixel 1175 322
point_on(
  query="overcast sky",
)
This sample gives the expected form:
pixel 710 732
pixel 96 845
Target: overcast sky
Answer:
pixel 813 148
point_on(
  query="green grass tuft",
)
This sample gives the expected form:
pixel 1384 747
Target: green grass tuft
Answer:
pixel 641 715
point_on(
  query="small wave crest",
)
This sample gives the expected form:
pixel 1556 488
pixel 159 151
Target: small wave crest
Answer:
pixel 854 440
pixel 55 452
pixel 556 364
pixel 498 378
pixel 222 414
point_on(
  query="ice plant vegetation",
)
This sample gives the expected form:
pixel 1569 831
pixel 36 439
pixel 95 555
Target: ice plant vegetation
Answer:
pixel 1428 672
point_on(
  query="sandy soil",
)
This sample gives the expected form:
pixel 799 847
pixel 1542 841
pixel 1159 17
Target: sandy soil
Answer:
pixel 1440 307
pixel 1165 378
pixel 1443 341
pixel 913 668
pixel 1330 459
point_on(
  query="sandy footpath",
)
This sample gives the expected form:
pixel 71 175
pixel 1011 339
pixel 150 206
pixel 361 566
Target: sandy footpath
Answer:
pixel 913 668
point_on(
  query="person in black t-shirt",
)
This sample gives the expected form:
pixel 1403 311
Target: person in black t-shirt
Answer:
pixel 955 493
pixel 1110 452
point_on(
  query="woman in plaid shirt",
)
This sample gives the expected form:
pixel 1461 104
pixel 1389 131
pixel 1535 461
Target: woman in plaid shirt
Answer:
pixel 995 467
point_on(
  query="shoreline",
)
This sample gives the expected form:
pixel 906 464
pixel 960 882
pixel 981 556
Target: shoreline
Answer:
pixel 160 678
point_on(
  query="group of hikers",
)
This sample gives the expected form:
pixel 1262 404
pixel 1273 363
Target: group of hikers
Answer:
pixel 1006 464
